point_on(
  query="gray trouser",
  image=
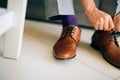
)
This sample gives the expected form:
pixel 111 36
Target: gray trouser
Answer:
pixel 65 7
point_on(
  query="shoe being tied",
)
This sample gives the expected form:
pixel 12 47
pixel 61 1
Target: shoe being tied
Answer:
pixel 65 47
pixel 106 42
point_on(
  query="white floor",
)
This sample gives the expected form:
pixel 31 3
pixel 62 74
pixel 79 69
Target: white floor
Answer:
pixel 37 62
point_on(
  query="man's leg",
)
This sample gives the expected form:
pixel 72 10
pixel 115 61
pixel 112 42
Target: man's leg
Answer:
pixel 65 47
pixel 106 41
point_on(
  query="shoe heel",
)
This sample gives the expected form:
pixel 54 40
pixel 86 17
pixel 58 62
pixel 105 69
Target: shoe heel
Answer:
pixel 94 46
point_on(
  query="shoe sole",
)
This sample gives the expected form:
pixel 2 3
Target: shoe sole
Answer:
pixel 64 58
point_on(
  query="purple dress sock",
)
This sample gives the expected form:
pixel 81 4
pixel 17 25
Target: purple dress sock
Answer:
pixel 66 19
pixel 69 20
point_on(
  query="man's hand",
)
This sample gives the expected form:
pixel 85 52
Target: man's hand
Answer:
pixel 101 20
pixel 116 21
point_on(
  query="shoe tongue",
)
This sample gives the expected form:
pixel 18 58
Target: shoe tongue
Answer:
pixel 69 31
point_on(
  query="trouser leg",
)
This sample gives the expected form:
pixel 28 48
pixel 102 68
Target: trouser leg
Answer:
pixel 65 13
pixel 109 6
pixel 59 7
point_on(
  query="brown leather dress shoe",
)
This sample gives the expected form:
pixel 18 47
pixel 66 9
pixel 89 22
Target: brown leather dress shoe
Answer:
pixel 107 43
pixel 65 47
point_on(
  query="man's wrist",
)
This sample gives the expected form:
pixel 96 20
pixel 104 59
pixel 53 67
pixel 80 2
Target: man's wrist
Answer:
pixel 89 5
pixel 90 10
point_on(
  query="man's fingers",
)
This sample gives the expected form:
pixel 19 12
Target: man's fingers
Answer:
pixel 117 27
pixel 101 22
pixel 105 26
pixel 111 24
pixel 96 25
pixel 116 21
